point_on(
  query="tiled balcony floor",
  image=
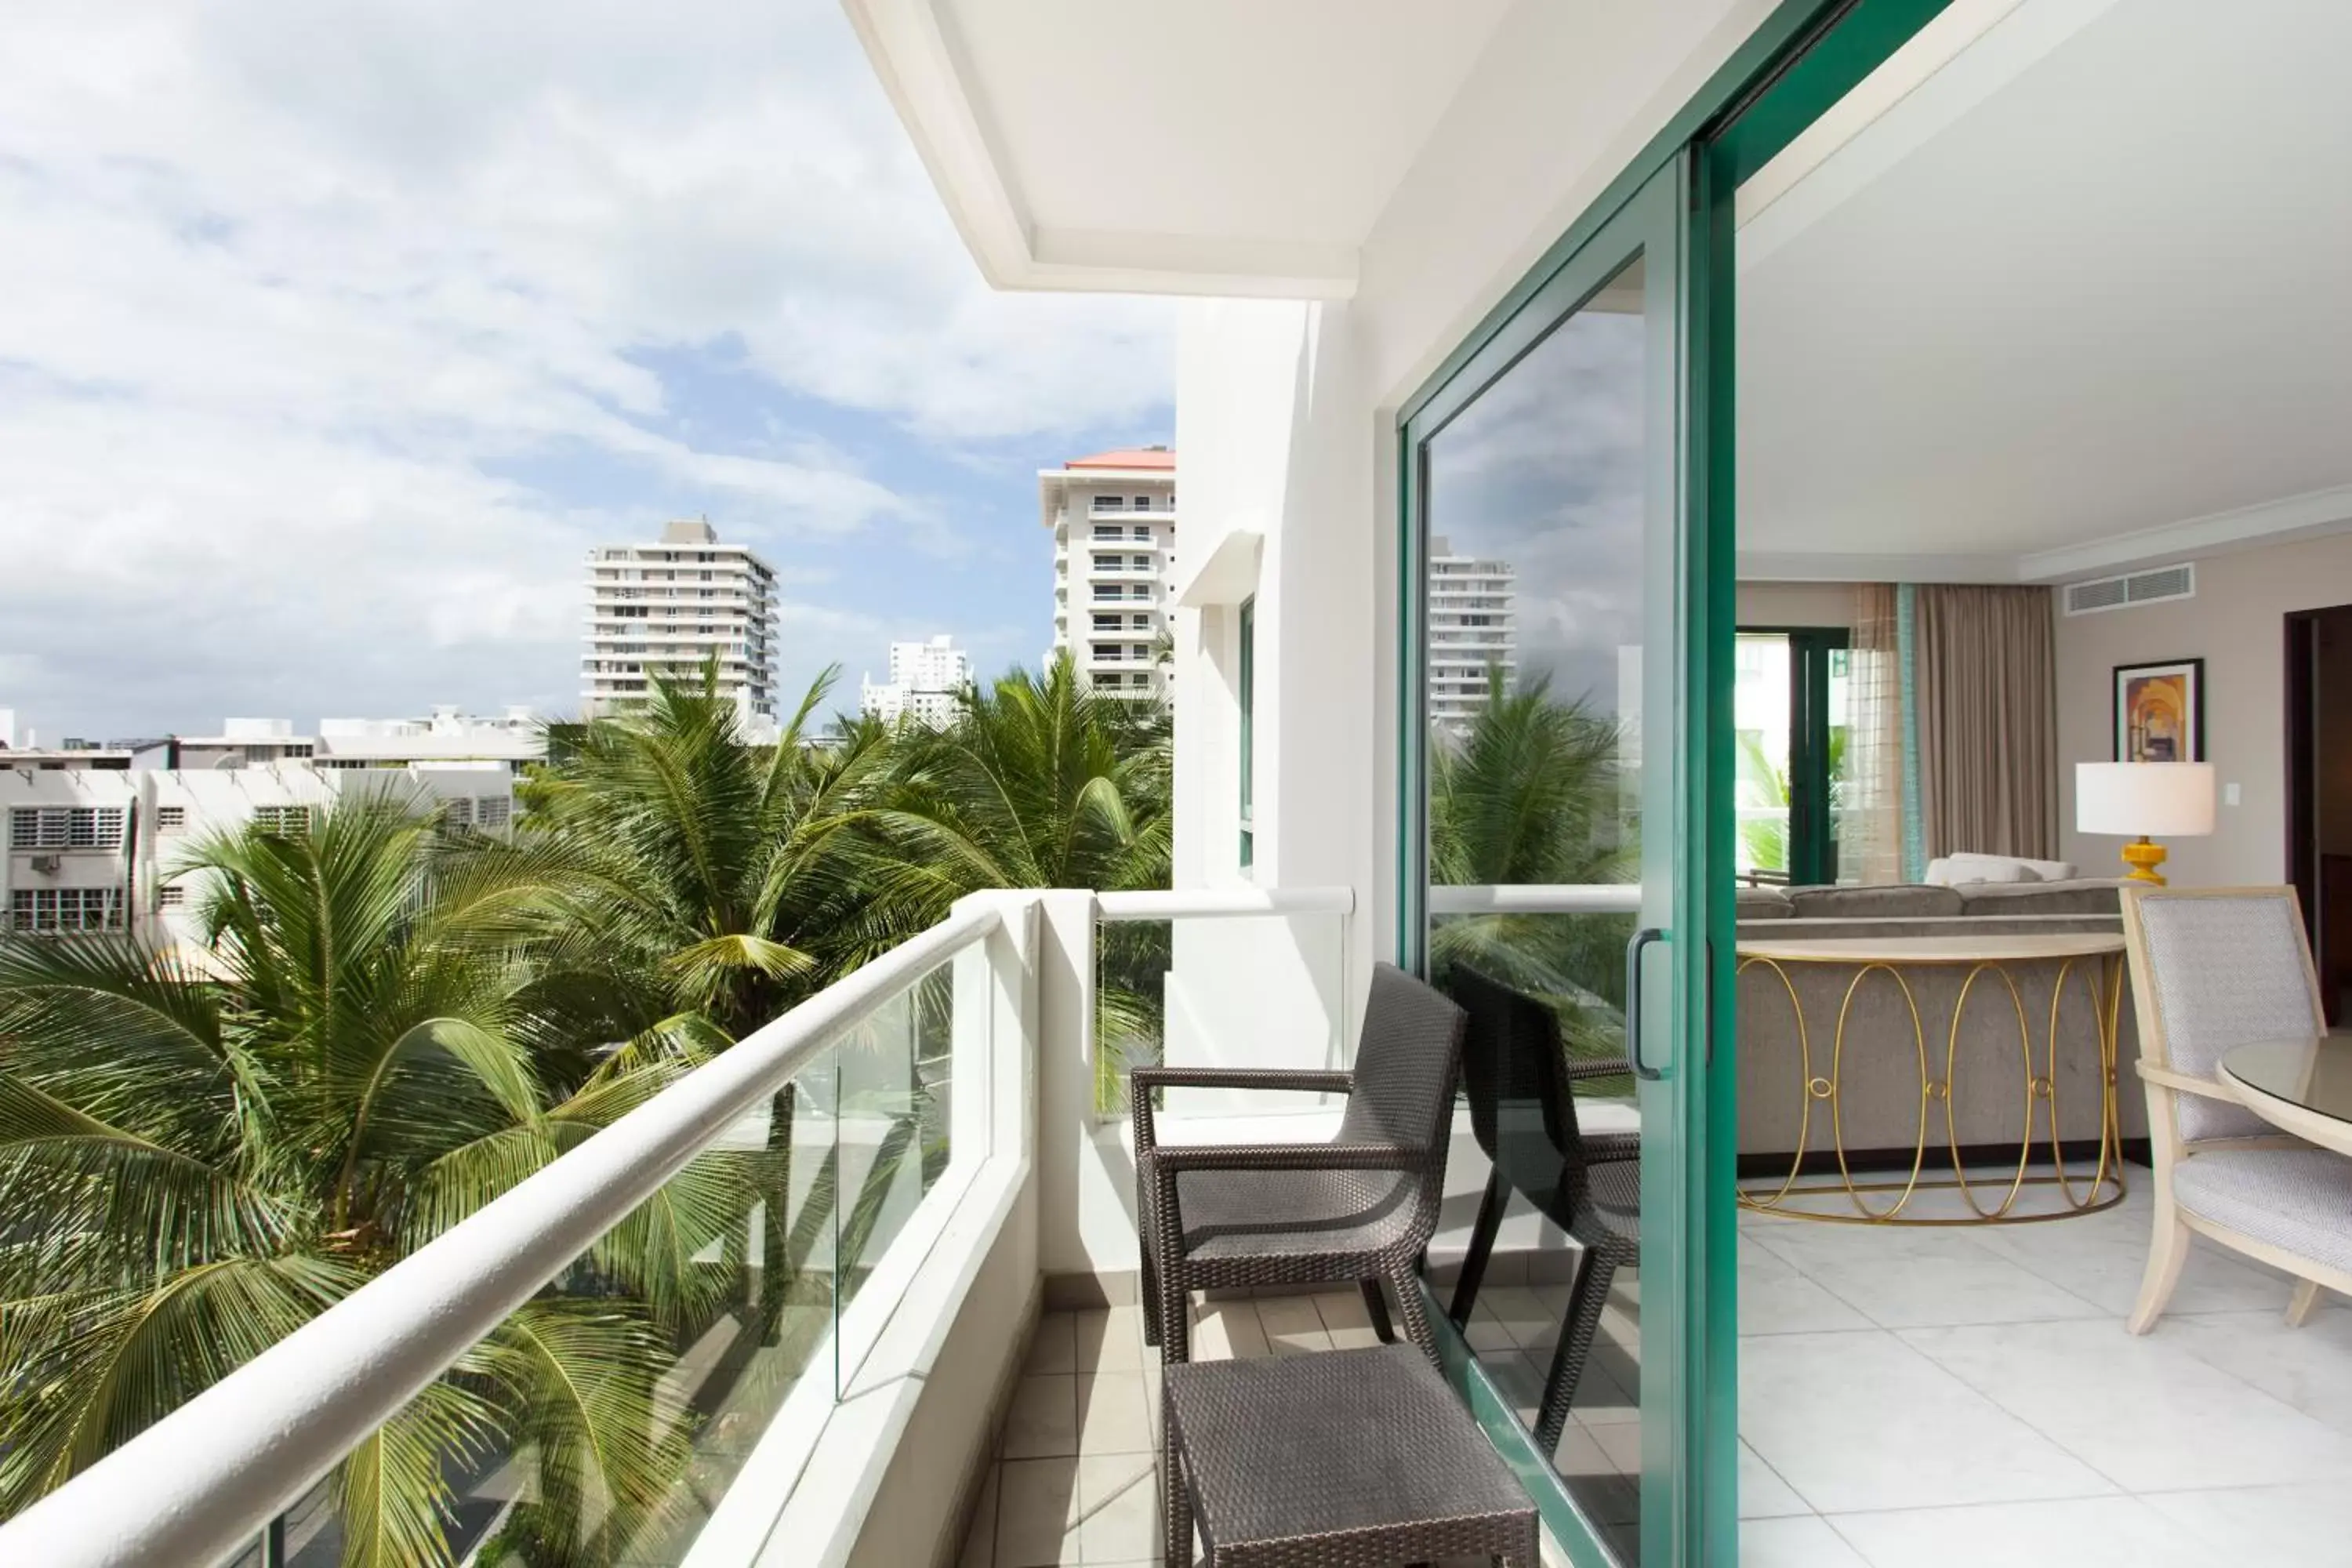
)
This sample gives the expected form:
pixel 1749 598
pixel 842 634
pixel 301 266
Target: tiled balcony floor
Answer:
pixel 1073 1479
pixel 1909 1399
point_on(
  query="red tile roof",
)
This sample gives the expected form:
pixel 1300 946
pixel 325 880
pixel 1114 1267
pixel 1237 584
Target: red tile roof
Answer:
pixel 1131 457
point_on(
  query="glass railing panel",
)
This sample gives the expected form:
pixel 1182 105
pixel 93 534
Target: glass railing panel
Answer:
pixel 896 1142
pixel 1254 990
pixel 605 1420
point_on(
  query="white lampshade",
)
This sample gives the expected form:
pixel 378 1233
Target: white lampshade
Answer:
pixel 2154 800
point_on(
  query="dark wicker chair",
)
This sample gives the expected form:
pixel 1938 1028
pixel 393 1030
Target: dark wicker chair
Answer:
pixel 1520 1085
pixel 1358 1207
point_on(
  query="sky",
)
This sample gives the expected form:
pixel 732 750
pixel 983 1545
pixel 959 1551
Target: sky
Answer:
pixel 332 338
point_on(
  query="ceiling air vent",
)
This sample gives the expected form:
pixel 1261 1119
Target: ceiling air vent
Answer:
pixel 2152 586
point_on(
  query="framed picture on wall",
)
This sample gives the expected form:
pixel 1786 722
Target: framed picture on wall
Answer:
pixel 2160 711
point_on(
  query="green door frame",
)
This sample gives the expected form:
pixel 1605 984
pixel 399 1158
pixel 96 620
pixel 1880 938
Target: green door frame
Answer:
pixel 1800 61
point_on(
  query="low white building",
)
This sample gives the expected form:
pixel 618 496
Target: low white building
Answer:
pixel 446 735
pixel 99 848
pixel 1114 522
pixel 925 680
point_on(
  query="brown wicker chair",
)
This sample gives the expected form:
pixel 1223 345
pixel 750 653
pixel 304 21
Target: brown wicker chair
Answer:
pixel 1358 1207
pixel 1523 1110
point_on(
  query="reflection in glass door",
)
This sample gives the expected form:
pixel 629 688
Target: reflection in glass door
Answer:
pixel 1552 634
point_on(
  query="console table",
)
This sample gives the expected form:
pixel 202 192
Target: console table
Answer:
pixel 2097 958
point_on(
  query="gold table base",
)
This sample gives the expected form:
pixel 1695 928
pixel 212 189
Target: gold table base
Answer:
pixel 2104 1187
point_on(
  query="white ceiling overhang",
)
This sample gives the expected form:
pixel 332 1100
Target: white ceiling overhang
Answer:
pixel 1219 147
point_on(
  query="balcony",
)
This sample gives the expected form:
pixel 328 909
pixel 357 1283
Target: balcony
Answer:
pixel 964 1087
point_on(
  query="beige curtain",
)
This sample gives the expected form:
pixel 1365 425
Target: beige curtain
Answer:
pixel 1869 805
pixel 1985 679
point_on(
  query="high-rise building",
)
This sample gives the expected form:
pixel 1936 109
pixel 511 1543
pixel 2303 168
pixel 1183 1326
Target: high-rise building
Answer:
pixel 1114 522
pixel 664 608
pixel 925 678
pixel 1473 633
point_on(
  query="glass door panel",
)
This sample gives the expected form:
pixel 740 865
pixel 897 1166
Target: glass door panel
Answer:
pixel 1554 608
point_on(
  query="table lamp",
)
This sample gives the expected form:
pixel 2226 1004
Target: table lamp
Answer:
pixel 2139 800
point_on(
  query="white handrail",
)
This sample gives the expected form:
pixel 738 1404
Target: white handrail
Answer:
pixel 1538 899
pixel 200 1483
pixel 1180 903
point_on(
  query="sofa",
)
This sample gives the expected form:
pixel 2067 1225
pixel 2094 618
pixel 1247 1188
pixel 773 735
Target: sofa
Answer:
pixel 1878 1098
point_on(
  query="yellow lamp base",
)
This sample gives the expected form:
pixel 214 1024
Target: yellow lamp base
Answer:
pixel 2144 857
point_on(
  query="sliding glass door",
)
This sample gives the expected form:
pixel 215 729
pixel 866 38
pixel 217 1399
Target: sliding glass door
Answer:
pixel 1562 654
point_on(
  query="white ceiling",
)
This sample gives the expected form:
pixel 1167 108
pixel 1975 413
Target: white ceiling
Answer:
pixel 1149 151
pixel 2081 298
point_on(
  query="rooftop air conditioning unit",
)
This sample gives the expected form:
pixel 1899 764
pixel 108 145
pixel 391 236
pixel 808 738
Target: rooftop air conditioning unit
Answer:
pixel 2152 586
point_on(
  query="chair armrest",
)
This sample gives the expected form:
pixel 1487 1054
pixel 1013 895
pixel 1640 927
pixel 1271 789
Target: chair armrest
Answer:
pixel 1576 1068
pixel 1172 1158
pixel 2185 1083
pixel 1141 1081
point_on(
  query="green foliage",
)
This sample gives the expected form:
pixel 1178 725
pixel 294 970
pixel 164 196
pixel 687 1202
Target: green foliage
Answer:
pixel 391 1023
pixel 199 1152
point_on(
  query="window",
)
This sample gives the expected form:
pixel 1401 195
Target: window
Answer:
pixel 66 828
pixel 170 818
pixel 1110 562
pixel 1789 706
pixel 1143 533
pixel 1106 623
pixel 285 821
pixel 48 910
pixel 1107 530
pixel 460 812
pixel 493 811
pixel 1139 623
pixel 1107 591
pixel 1143 503
pixel 1111 503
pixel 1248 745
pixel 170 896
pixel 1108 652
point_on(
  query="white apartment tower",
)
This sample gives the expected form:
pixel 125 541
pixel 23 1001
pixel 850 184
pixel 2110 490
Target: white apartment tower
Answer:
pixel 664 608
pixel 1473 631
pixel 924 680
pixel 1114 522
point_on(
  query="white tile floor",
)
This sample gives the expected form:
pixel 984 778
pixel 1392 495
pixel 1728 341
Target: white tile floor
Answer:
pixel 1940 1398
pixel 1960 1399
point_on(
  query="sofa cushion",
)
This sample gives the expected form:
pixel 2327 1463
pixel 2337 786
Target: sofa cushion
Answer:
pixel 2084 897
pixel 1968 870
pixel 1874 903
pixel 1762 904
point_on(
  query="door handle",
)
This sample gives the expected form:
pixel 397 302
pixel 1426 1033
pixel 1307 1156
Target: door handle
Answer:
pixel 1640 940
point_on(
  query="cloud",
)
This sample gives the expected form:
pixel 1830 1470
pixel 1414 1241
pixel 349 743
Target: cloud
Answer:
pixel 331 337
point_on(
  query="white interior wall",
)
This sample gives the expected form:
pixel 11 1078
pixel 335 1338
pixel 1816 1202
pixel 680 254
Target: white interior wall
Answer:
pixel 2237 625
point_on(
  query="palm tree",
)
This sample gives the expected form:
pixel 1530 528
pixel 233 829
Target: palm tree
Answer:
pixel 702 885
pixel 700 875
pixel 1040 782
pixel 1531 794
pixel 201 1150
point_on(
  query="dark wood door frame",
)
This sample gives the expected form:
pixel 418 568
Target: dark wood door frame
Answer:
pixel 2322 882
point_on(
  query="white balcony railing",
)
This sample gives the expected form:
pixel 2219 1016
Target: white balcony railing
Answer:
pixel 200 1485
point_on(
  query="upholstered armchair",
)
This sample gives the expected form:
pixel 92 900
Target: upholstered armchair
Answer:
pixel 2212 970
